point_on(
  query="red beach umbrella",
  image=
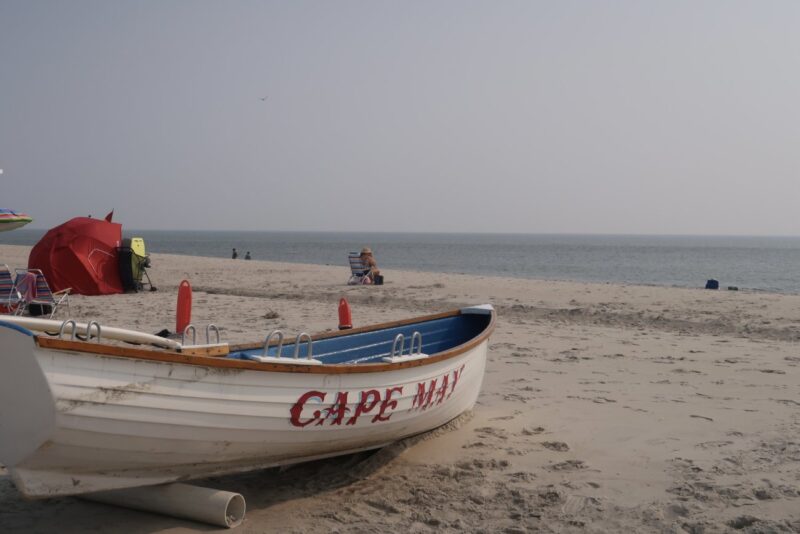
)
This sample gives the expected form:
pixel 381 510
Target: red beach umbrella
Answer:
pixel 80 254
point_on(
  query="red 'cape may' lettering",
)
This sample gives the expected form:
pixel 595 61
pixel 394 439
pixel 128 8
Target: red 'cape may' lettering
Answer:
pixel 388 403
pixel 368 401
pixel 297 409
pixel 335 413
pixel 429 393
pixel 424 398
pixel 338 410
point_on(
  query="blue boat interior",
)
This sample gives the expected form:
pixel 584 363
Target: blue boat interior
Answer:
pixel 438 335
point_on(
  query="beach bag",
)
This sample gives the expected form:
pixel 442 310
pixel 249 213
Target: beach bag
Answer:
pixel 378 281
pixel 36 310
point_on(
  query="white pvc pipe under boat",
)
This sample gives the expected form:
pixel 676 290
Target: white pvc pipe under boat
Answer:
pixel 121 334
pixel 206 505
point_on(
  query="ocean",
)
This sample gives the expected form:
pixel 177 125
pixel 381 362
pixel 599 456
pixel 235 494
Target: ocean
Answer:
pixel 758 263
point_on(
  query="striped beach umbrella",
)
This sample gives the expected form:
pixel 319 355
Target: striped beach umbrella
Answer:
pixel 11 220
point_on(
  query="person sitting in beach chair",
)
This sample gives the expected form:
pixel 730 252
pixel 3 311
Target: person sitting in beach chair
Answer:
pixel 368 259
pixel 37 298
pixel 364 268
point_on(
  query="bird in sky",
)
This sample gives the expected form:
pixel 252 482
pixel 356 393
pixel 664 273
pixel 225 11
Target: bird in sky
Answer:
pixel 263 99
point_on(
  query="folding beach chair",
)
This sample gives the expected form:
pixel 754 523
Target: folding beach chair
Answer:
pixel 36 294
pixel 359 271
pixel 10 298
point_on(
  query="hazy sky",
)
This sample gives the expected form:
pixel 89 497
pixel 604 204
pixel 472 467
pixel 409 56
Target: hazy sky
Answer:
pixel 584 117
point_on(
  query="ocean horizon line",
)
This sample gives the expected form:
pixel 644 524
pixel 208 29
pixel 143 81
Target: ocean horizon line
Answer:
pixel 443 233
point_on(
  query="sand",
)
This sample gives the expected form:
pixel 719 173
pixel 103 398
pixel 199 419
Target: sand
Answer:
pixel 605 408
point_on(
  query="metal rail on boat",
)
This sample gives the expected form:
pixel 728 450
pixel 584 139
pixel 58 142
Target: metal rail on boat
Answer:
pixel 209 328
pixel 89 326
pixel 64 325
pixel 299 340
pixel 74 331
pixel 186 333
pixel 277 333
pixel 278 358
pixel 71 330
pixel 193 329
pixel 397 355
pixel 35 324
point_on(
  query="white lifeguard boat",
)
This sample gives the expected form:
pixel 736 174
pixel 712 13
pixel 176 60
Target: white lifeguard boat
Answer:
pixel 79 416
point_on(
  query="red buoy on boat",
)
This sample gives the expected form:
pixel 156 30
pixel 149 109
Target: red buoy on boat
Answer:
pixel 184 314
pixel 345 319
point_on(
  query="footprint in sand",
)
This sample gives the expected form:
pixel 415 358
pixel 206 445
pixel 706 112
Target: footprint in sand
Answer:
pixel 597 400
pixel 670 359
pixel 577 503
pixel 488 431
pixel 641 410
pixel 522 475
pixel 511 451
pixel 569 465
pixel 743 521
pixel 713 444
pixel 559 446
pixel 532 431
pixel 550 496
pixel 687 371
pixel 478 465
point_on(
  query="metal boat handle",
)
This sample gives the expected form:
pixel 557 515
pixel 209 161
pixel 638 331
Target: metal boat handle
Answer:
pixel 64 325
pixel 269 338
pixel 209 328
pixel 186 331
pixel 415 335
pixel 402 339
pixel 89 326
pixel 297 341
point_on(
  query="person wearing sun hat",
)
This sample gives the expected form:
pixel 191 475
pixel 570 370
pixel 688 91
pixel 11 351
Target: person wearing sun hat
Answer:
pixel 369 260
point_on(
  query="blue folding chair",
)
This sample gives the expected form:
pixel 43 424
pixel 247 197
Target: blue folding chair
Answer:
pixel 360 272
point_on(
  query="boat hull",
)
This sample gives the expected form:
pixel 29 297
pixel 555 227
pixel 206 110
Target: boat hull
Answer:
pixel 106 422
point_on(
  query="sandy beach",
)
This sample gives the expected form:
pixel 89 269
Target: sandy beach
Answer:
pixel 605 408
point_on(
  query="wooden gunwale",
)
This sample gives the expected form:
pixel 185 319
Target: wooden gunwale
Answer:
pixel 116 351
